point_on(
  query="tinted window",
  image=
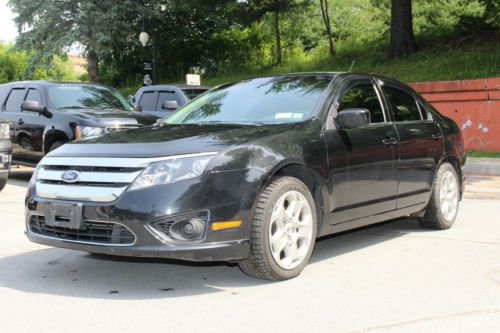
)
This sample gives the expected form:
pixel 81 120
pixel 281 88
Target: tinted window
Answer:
pixel 193 93
pixel 281 99
pixel 167 96
pixel 403 105
pixel 74 96
pixel 16 97
pixel 148 100
pixel 363 96
pixel 34 95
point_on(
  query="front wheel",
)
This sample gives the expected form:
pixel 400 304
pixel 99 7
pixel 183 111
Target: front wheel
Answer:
pixel 443 205
pixel 283 231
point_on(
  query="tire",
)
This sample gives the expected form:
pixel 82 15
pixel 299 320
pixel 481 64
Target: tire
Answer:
pixel 3 182
pixel 275 221
pixel 56 145
pixel 442 209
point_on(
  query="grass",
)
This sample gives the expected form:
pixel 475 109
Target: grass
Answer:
pixel 488 154
pixel 475 56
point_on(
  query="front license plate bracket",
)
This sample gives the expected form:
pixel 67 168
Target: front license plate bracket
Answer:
pixel 64 215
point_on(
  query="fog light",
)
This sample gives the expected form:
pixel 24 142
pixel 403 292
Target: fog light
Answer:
pixel 181 228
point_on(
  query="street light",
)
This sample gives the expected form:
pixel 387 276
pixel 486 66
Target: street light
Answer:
pixel 144 39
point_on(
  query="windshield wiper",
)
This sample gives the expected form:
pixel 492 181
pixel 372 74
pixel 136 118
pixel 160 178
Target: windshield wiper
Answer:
pixel 72 107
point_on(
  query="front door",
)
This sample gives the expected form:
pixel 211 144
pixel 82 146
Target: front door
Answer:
pixel 372 155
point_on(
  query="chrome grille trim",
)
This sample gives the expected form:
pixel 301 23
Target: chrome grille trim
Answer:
pixel 91 177
pixel 101 179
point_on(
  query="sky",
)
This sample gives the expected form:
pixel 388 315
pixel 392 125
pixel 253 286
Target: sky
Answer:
pixel 8 31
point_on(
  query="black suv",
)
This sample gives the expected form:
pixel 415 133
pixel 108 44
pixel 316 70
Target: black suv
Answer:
pixel 45 115
pixel 254 172
pixel 5 152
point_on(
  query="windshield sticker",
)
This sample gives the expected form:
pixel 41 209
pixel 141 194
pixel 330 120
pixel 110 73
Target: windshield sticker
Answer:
pixel 288 115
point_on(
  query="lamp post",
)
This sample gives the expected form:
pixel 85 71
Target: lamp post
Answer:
pixel 144 39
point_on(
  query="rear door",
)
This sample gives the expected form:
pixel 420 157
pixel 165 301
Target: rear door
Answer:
pixel 421 145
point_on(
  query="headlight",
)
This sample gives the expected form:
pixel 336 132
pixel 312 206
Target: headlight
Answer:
pixel 4 131
pixel 170 171
pixel 84 132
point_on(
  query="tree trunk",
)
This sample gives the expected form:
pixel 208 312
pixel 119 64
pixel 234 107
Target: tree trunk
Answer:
pixel 278 37
pixel 402 40
pixel 93 66
pixel 326 20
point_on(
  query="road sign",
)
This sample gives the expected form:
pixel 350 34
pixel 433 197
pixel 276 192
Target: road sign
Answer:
pixel 193 80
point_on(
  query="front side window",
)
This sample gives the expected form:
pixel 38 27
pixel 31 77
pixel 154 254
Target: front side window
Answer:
pixel 403 105
pixel 16 97
pixel 363 96
pixel 34 95
pixel 87 97
pixel 167 96
pixel 281 99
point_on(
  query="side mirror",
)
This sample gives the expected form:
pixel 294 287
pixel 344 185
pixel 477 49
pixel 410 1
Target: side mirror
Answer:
pixel 34 106
pixel 170 105
pixel 353 118
pixel 137 107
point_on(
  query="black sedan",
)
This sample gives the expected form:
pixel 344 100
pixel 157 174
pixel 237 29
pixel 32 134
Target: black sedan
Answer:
pixel 254 172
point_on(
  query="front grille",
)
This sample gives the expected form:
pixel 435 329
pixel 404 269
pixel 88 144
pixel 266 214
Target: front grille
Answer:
pixel 105 233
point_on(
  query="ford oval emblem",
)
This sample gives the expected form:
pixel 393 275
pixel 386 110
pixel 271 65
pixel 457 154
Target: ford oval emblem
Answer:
pixel 70 176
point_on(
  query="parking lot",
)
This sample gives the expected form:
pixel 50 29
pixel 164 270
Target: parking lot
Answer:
pixel 394 277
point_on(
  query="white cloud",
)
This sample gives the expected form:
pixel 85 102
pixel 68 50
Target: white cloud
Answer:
pixel 8 31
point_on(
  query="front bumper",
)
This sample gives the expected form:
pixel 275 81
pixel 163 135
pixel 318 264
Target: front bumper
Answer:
pixel 226 196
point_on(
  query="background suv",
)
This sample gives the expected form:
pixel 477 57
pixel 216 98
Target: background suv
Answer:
pixel 162 100
pixel 45 115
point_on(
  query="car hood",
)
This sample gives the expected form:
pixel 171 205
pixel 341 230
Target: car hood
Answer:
pixel 113 118
pixel 167 140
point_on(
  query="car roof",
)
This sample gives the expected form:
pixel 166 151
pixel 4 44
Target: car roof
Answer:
pixel 174 86
pixel 51 83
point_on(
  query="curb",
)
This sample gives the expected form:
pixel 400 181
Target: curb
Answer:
pixel 482 166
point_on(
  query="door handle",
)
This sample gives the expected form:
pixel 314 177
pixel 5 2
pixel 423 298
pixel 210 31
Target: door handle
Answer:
pixel 389 140
pixel 437 135
pixel 20 122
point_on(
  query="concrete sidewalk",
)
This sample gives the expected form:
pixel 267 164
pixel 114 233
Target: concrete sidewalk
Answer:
pixel 482 166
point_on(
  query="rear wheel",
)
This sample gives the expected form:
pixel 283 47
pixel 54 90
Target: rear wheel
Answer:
pixel 283 231
pixel 443 205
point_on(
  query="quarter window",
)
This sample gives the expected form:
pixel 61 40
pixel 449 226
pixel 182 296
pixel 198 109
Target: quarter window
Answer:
pixel 403 105
pixel 15 99
pixel 363 96
pixel 148 100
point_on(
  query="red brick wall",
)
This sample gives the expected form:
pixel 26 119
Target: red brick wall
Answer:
pixel 473 104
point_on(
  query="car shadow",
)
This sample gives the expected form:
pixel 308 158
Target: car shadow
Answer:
pixel 78 274
pixel 20 176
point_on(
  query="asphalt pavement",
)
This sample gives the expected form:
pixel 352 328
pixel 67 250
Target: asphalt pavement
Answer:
pixel 392 277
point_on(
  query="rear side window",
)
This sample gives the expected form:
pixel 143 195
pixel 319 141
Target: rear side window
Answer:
pixel 403 105
pixel 34 95
pixel 363 96
pixel 148 100
pixel 16 97
pixel 167 96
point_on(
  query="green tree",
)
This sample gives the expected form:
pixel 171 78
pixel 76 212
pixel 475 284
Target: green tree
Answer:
pixel 51 26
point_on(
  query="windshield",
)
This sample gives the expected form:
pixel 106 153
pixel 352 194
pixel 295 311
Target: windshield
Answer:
pixel 265 100
pixel 87 97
